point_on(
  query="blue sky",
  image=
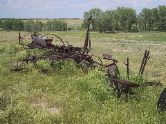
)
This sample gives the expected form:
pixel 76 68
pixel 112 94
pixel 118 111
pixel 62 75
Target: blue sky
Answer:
pixel 66 8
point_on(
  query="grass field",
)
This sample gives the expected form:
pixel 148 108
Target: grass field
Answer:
pixel 71 22
pixel 68 95
pixel 77 22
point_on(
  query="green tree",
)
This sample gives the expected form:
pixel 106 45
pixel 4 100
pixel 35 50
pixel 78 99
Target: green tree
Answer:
pixel 106 21
pixel 162 18
pixel 38 26
pixel 7 24
pixel 155 17
pixel 56 25
pixel 18 25
pixel 147 18
pixel 29 25
pixel 94 13
pixel 1 24
pixel 126 17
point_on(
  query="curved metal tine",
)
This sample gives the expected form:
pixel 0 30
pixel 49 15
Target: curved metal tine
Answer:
pixel 21 38
pixel 57 37
pixel 109 57
pixel 26 35
pixel 101 62
pixel 67 43
pixel 38 34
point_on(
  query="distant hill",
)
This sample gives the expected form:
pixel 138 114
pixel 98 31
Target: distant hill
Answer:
pixel 70 21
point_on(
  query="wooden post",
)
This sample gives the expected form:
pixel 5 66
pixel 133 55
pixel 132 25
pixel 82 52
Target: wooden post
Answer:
pixel 128 69
pixel 87 39
pixel 19 38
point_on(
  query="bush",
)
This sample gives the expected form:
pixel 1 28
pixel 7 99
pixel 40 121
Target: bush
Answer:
pixel 44 65
pixel 11 49
pixel 67 67
pixel 134 29
pixel 19 114
pixel 21 54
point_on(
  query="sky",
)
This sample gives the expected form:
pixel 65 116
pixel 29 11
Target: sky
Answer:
pixel 66 8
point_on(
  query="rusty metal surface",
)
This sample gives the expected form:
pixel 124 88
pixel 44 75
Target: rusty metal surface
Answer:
pixel 109 57
pixel 144 62
pixel 87 43
pixel 125 82
pixel 127 68
pixel 161 104
pixel 57 52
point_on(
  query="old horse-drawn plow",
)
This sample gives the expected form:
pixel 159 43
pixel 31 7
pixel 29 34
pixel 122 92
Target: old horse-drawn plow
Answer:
pixel 81 55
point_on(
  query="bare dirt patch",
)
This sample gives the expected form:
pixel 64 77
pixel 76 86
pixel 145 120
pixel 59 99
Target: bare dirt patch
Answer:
pixel 44 105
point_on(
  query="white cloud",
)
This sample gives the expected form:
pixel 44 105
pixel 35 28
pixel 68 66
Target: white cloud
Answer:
pixel 38 4
pixel 76 4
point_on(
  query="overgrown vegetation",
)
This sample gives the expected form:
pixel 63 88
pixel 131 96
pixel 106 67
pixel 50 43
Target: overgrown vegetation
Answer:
pixel 65 94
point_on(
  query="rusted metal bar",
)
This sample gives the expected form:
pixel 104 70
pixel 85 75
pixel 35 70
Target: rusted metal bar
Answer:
pixel 89 43
pixel 19 37
pixel 151 83
pixel 127 68
pixel 144 62
pixel 113 71
pixel 161 104
pixel 125 82
pixel 123 86
pixel 59 38
pixel 87 39
pixel 147 57
pixel 109 57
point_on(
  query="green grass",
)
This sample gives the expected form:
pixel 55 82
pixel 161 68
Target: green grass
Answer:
pixel 73 23
pixel 65 94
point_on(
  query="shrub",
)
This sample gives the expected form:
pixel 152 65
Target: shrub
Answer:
pixel 134 29
pixel 19 114
pixel 44 65
pixel 21 54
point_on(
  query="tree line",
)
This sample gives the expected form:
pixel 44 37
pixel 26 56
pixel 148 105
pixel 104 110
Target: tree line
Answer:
pixel 32 25
pixel 127 20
